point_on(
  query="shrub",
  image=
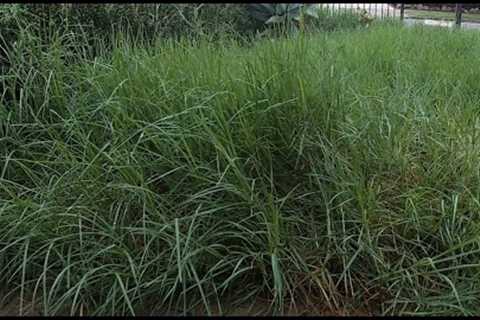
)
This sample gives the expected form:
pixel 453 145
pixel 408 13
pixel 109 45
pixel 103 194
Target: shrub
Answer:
pixel 149 19
pixel 328 21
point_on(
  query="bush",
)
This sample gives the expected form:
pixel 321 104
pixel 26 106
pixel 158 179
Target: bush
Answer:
pixel 149 19
pixel 327 21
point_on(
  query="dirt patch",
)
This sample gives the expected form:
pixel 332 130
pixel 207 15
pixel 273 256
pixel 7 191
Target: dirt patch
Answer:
pixel 262 308
pixel 13 307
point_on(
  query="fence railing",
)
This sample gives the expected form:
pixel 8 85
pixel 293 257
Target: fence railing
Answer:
pixel 384 10
pixel 377 10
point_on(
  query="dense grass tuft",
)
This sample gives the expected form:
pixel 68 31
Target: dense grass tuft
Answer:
pixel 338 170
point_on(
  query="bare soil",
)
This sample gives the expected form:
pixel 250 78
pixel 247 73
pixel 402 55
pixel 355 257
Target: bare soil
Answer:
pixel 11 307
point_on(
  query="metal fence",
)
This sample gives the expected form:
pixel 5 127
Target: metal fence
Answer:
pixel 384 10
pixel 377 10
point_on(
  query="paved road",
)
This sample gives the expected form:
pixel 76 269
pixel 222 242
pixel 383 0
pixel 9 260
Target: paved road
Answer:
pixel 441 23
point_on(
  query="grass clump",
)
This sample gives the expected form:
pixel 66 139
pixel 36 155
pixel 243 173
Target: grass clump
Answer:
pixel 337 169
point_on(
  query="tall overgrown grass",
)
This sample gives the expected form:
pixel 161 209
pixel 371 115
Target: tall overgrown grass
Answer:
pixel 337 170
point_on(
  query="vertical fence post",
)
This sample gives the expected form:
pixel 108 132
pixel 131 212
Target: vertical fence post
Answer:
pixel 402 11
pixel 458 14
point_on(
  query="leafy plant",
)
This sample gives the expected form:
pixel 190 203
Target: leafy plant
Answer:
pixel 274 13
